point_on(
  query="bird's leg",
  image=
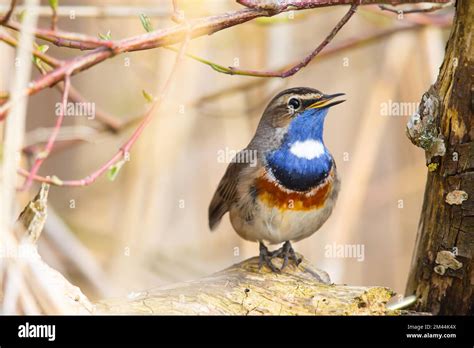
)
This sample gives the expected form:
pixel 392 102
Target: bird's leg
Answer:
pixel 286 252
pixel 266 256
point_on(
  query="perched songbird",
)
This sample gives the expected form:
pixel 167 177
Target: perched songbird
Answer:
pixel 289 190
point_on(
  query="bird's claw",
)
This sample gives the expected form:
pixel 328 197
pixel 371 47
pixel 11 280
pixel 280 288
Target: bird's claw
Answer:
pixel 266 256
pixel 286 252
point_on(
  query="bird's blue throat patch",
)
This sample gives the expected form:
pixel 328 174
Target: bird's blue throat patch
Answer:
pixel 302 161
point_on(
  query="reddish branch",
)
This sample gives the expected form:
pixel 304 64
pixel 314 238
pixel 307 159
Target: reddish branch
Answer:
pixel 202 26
pixel 112 123
pixel 40 55
pixel 64 38
pixel 347 44
pixel 298 66
pixel 50 144
pixel 159 38
pixel 116 125
pixel 104 49
pixel 125 148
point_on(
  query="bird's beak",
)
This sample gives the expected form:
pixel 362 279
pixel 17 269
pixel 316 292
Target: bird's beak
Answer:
pixel 324 101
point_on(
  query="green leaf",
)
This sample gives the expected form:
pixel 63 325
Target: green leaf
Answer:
pixel 149 98
pixel 20 16
pixel 43 48
pixel 220 68
pixel 216 67
pixel 146 22
pixel 114 170
pixel 53 4
pixel 107 36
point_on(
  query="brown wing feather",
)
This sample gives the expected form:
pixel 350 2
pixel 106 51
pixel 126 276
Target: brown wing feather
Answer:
pixel 225 194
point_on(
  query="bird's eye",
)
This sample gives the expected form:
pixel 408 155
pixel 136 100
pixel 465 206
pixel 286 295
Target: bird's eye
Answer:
pixel 294 103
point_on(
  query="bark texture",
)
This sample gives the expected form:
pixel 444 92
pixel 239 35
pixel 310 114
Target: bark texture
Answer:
pixel 442 271
pixel 244 290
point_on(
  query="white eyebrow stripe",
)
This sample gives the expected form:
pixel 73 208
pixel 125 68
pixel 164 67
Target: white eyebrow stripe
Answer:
pixel 309 96
pixel 308 149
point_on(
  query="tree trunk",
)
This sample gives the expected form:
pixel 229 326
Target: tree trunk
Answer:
pixel 442 271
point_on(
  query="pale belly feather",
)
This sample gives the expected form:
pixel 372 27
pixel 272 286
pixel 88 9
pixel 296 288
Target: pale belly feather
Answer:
pixel 275 225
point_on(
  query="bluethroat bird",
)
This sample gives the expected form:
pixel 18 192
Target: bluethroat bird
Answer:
pixel 291 188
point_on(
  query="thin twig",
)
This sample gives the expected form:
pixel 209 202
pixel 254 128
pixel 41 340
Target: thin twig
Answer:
pixel 415 10
pixel 142 42
pixel 9 13
pixel 163 37
pixel 54 18
pixel 293 70
pixel 347 44
pixel 111 122
pixel 203 26
pixel 290 71
pixel 38 54
pixel 278 5
pixel 96 11
pixel 64 38
pixel 50 144
pixel 71 139
pixel 125 148
pixel 178 15
pixel 415 18
pixel 116 125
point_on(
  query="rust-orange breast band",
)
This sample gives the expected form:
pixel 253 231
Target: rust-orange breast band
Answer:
pixel 273 194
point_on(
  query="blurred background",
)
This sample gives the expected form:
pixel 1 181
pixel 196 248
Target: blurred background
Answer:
pixel 149 226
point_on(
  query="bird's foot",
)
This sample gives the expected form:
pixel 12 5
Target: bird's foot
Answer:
pixel 286 252
pixel 266 256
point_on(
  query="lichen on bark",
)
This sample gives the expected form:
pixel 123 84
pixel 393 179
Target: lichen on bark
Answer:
pixel 423 126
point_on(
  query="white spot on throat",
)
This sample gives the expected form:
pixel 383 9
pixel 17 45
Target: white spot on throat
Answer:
pixel 308 149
